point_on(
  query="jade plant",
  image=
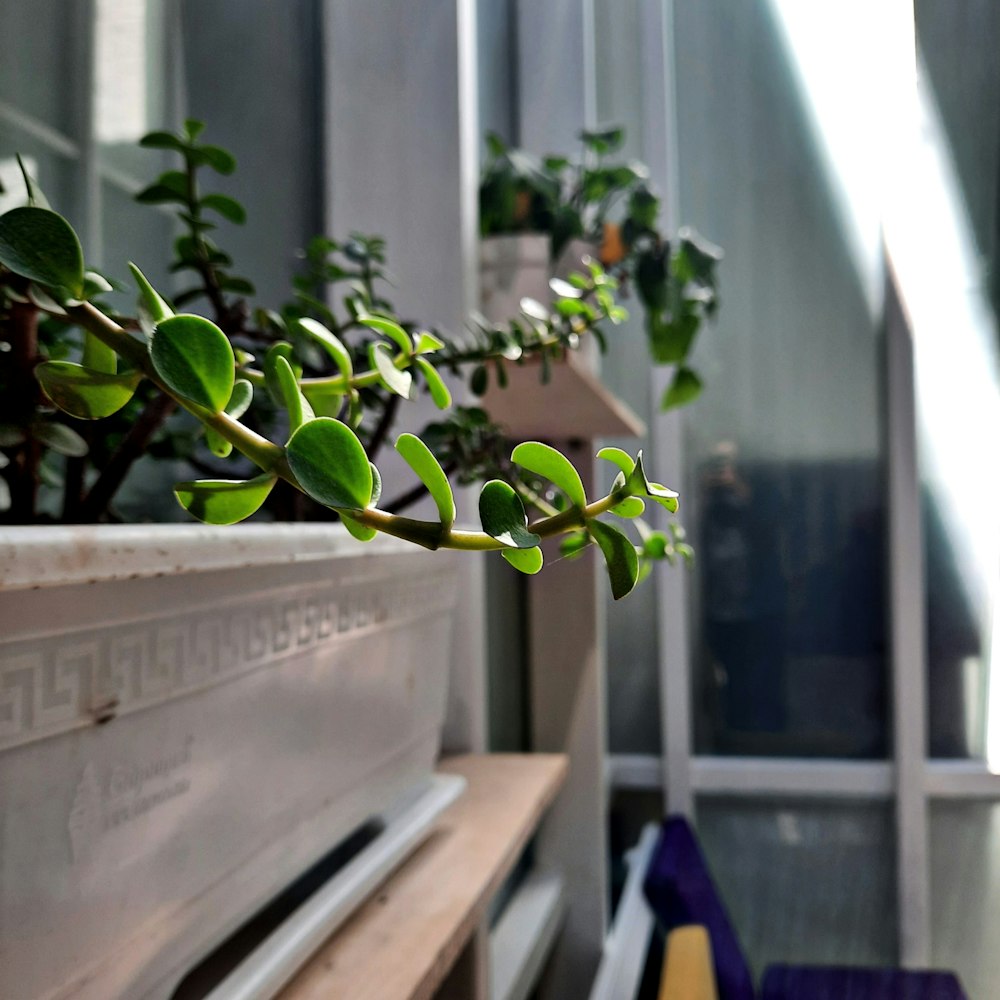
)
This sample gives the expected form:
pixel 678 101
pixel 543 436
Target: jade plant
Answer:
pixel 316 408
pixel 611 204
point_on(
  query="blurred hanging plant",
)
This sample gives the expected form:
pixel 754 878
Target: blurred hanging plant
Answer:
pixel 612 206
pixel 299 395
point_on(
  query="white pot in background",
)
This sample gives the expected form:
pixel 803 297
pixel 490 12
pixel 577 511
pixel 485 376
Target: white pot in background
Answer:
pixel 517 266
pixel 512 268
pixel 189 718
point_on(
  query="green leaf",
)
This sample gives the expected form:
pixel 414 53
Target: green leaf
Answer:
pixel 534 309
pixel 392 378
pixel 391 330
pixel 619 554
pixel 639 484
pixel 360 531
pixel 502 514
pixel 171 186
pixel 563 289
pixel 60 438
pixel 621 458
pixel 376 485
pixel 224 501
pixel 331 344
pixel 435 384
pixel 421 459
pixel 299 411
pixel 194 358
pixel 685 388
pixel 228 208
pixel 161 140
pixel 574 544
pixel 239 403
pixel 149 298
pixel 83 392
pixel 219 159
pixel 240 399
pixel 97 356
pixel 554 466
pixel 37 243
pixel 427 343
pixel 36 197
pixel 330 464
pixel 629 507
pixel 480 380
pixel 524 560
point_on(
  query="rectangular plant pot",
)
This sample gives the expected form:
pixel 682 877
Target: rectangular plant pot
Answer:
pixel 189 718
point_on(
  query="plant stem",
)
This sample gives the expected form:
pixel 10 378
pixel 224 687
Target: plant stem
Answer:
pixel 23 480
pixel 96 501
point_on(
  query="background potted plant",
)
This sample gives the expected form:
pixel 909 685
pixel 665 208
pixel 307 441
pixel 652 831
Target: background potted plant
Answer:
pixel 250 697
pixel 539 216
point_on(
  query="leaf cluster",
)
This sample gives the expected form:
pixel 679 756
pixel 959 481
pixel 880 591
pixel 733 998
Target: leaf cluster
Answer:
pixel 612 204
pixel 191 362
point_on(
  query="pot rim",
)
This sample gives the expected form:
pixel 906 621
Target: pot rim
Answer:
pixel 34 556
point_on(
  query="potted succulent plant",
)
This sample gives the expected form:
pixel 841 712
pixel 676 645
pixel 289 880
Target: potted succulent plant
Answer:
pixel 191 714
pixel 540 216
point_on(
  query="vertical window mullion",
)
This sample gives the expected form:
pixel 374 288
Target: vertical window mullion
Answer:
pixel 908 628
pixel 89 180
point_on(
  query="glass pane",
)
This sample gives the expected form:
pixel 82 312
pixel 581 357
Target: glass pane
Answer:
pixel 39 71
pixel 804 882
pixel 54 173
pixel 132 82
pixel 786 462
pixel 141 233
pixel 960 465
pixel 965 892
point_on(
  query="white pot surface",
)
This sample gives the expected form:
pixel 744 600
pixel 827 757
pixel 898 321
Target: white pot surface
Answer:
pixel 257 710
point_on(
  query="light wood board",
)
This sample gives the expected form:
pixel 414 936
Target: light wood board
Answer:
pixel 403 942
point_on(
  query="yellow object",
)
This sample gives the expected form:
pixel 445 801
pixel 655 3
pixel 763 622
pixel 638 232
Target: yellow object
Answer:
pixel 612 245
pixel 687 966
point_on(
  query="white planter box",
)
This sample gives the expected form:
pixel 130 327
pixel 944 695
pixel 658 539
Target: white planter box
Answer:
pixel 189 718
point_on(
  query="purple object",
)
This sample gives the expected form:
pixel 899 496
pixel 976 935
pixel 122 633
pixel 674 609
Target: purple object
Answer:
pixel 791 982
pixel 680 890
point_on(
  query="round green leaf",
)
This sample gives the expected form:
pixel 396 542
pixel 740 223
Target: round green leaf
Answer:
pixel 620 556
pixel 554 466
pixel 39 244
pixel 621 458
pixel 85 393
pixel 228 208
pixel 299 411
pixel 241 398
pixel 392 378
pixel 223 501
pixel 629 507
pixel 60 438
pixel 685 388
pixel 524 560
pixel 330 464
pixel 360 531
pixel 331 344
pixel 435 384
pixel 421 459
pixel 502 514
pixel 391 330
pixel 195 359
pixel 427 343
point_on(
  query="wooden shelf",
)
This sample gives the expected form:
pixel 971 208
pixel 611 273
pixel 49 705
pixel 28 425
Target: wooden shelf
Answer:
pixel 403 942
